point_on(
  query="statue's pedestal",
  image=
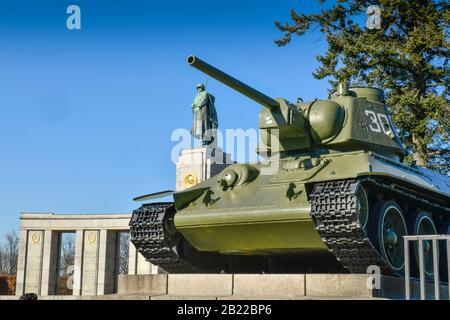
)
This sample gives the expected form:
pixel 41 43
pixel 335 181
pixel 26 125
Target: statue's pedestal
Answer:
pixel 198 164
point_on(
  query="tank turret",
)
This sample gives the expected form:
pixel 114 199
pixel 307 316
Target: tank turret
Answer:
pixel 351 119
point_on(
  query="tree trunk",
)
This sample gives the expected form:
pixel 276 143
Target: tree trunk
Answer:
pixel 420 154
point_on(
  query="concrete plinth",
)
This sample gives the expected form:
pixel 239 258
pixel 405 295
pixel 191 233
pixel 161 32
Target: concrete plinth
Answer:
pixel 198 164
pixel 267 286
pixel 344 285
pixel 142 284
pixel 257 286
pixel 200 285
pixel 260 285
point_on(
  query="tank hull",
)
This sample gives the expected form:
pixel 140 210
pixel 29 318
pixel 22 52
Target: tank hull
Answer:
pixel 257 230
pixel 262 218
pixel 296 214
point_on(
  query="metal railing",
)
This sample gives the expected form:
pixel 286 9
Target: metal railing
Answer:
pixel 435 239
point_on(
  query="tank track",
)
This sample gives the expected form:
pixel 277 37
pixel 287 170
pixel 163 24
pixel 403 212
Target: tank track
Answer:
pixel 333 209
pixel 150 235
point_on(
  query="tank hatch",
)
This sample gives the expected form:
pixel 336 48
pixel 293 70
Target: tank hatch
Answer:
pixel 372 94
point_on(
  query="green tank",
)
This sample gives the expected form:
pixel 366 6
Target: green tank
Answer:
pixel 331 195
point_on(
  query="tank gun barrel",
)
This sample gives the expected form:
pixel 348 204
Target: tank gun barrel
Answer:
pixel 233 83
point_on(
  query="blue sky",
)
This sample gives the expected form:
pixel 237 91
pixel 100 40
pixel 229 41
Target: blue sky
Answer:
pixel 87 115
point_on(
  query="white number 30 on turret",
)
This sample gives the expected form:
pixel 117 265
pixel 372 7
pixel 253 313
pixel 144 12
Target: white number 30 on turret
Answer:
pixel 379 122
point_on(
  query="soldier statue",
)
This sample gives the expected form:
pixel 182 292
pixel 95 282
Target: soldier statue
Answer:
pixel 205 121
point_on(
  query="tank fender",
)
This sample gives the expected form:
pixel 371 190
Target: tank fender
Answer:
pixel 183 198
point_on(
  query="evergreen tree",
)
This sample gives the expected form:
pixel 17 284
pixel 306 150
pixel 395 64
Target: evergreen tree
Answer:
pixel 407 56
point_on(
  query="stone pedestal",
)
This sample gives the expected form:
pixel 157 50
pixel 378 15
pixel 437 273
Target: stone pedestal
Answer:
pixel 198 164
pixel 270 286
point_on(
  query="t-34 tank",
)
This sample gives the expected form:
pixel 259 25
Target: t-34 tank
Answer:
pixel 332 193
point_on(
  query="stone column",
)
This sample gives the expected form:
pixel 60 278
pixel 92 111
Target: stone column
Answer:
pixel 21 262
pixel 154 269
pixel 89 275
pixel 198 164
pixel 132 259
pixel 143 266
pixel 78 268
pixel 137 263
pixel 107 265
pixel 34 261
pixel 50 263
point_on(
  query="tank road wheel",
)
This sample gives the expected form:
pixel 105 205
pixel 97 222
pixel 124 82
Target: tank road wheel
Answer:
pixel 422 223
pixel 388 229
pixel 362 206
